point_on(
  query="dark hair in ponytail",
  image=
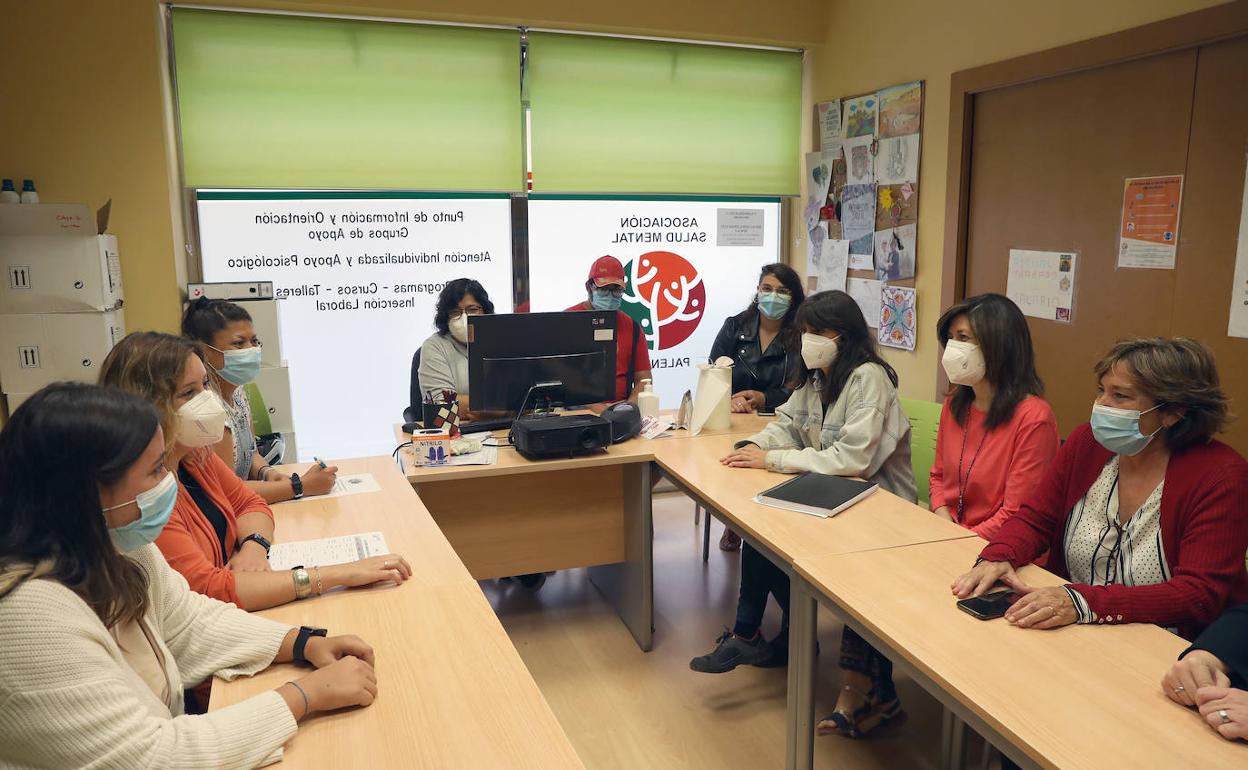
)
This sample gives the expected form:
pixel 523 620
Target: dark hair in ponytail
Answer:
pixel 205 317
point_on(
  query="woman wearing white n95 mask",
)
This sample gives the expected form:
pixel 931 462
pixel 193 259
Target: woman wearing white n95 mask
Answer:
pixel 219 534
pixel 444 355
pixel 844 419
pixel 232 354
pixel 997 435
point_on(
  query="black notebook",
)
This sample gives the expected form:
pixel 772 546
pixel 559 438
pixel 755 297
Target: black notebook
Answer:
pixel 817 494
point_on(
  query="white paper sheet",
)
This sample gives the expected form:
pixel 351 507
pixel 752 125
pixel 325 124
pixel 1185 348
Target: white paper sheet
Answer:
pixel 487 456
pixel 866 293
pixel 829 124
pixel 894 253
pixel 327 551
pixel 1042 283
pixel 858 215
pixel 833 264
pixel 346 484
pixel 818 178
pixel 1237 326
pixel 897 160
pixel 859 163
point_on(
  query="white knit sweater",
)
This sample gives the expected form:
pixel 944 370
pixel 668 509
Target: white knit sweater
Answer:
pixel 68 699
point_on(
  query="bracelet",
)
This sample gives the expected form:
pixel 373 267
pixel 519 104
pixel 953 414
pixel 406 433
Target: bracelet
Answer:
pixel 303 584
pixel 306 706
pixel 320 589
pixel 261 472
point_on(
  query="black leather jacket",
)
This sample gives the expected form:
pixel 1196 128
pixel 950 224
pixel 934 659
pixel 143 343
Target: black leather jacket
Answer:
pixel 754 369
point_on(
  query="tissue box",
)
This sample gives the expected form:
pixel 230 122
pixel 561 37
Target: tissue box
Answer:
pixel 431 447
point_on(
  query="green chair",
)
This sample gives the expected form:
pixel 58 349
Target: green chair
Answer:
pixel 259 410
pixel 924 422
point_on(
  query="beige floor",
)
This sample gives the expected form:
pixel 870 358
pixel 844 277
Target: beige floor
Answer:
pixel 624 708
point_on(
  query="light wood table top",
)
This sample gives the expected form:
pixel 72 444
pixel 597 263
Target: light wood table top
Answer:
pixel 1078 697
pixel 395 511
pixel 882 520
pixel 512 462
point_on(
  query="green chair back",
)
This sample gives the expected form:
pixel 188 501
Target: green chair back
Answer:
pixel 924 423
pixel 259 411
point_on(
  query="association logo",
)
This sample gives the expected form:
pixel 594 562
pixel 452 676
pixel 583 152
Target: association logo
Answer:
pixel 665 296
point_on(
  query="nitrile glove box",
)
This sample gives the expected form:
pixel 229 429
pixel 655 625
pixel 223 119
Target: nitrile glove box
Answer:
pixel 40 348
pixel 53 262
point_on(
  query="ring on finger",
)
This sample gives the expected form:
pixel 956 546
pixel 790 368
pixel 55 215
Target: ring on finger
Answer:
pixel 1180 688
pixel 1224 716
pixel 385 565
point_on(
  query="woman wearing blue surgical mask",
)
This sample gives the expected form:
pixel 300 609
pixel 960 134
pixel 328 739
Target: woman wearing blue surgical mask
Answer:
pixel 764 344
pixel 98 636
pixel 231 349
pixel 1141 511
pixel 844 418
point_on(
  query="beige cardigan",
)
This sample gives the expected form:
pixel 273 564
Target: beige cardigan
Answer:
pixel 68 699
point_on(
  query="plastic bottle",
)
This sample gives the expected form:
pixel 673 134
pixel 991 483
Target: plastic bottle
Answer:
pixel 648 400
pixel 8 193
pixel 28 191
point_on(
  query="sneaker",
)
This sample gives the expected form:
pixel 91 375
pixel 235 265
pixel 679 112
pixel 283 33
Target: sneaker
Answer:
pixel 533 581
pixel 778 648
pixel 730 541
pixel 732 651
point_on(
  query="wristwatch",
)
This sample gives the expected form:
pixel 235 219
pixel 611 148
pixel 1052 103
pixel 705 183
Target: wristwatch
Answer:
pixel 301 641
pixel 261 540
pixel 296 485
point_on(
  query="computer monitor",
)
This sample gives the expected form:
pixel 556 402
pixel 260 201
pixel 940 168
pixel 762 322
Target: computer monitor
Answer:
pixel 509 353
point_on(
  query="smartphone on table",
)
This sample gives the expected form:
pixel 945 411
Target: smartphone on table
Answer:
pixel 989 606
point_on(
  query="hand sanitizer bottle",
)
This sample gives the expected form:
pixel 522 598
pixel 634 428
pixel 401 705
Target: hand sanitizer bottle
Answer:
pixel 648 400
pixel 8 194
pixel 28 191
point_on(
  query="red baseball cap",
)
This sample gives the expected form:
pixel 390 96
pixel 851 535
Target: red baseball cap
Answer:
pixel 607 270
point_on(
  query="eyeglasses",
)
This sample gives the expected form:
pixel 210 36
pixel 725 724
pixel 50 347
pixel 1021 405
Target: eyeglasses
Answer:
pixel 614 291
pixel 765 289
pixel 470 310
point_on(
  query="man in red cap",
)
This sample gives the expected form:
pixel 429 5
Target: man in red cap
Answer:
pixel 605 288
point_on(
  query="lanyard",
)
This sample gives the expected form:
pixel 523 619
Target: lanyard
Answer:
pixel 961 455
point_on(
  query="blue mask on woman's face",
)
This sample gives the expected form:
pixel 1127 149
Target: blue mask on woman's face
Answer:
pixel 1118 430
pixel 155 508
pixel 773 304
pixel 603 299
pixel 241 366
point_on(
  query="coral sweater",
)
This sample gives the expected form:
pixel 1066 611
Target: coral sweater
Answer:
pixel 1204 533
pixel 998 470
pixel 189 542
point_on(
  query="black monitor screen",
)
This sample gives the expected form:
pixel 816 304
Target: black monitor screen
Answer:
pixel 509 353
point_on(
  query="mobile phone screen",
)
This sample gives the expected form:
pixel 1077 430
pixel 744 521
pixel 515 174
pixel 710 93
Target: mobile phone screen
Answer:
pixel 989 606
pixel 766 413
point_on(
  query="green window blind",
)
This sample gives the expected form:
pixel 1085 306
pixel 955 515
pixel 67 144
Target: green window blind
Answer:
pixel 638 116
pixel 288 101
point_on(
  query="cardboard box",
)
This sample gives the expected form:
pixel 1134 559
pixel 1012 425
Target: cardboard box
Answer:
pixel 41 348
pixel 431 447
pixel 274 385
pixel 53 261
pixel 14 400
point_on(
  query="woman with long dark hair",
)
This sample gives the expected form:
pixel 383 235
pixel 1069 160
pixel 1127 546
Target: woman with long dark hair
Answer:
pixel 997 434
pixel 764 344
pixel 444 355
pixel 844 419
pixel 98 636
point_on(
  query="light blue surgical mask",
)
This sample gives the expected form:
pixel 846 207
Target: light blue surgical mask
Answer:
pixel 241 366
pixel 1118 430
pixel 773 304
pixel 155 508
pixel 604 300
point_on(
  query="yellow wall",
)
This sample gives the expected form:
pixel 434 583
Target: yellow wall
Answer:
pixel 870 46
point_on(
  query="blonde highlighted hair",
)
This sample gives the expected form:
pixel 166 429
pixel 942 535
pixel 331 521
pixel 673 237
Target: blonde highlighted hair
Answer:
pixel 150 365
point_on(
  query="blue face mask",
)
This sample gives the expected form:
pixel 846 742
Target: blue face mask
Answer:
pixel 773 304
pixel 241 366
pixel 1118 430
pixel 604 300
pixel 155 508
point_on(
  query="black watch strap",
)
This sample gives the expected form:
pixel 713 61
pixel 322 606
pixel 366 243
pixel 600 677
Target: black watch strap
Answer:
pixel 301 641
pixel 296 485
pixel 260 540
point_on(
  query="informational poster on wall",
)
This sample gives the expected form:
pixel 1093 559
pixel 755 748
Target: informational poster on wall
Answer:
pixel 1149 236
pixel 690 264
pixel 1042 283
pixel 359 276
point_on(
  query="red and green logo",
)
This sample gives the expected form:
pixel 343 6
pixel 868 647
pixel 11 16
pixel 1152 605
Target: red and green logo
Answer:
pixel 664 294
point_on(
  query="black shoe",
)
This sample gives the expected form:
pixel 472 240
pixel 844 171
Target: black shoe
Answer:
pixel 732 651
pixel 778 651
pixel 533 581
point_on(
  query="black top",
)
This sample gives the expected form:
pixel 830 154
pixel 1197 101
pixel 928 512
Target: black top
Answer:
pixel 1227 640
pixel 207 507
pixel 752 368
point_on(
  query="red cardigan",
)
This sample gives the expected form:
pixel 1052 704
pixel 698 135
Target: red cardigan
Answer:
pixel 1204 532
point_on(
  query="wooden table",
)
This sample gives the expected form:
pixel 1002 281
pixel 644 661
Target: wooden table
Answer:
pixel 521 516
pixel 453 690
pixel 1078 697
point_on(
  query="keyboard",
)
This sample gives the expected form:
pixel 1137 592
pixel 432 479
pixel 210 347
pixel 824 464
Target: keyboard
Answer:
pixel 482 426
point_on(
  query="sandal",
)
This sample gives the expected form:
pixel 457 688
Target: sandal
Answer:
pixel 730 541
pixel 862 720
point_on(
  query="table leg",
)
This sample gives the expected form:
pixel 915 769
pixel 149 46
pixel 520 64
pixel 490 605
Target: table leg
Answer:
pixel 803 616
pixel 629 585
pixel 952 741
pixel 706 538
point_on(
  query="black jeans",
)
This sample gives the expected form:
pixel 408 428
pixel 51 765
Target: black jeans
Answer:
pixel 759 577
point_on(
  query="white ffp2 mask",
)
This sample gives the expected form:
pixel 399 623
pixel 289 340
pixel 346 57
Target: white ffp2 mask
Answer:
pixel 963 362
pixel 201 421
pixel 818 351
